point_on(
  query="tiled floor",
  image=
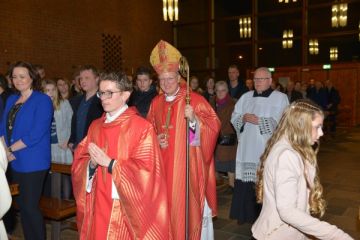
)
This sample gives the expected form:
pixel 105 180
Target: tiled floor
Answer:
pixel 339 161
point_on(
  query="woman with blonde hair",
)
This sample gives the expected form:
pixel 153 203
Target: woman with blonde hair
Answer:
pixel 60 132
pixel 288 185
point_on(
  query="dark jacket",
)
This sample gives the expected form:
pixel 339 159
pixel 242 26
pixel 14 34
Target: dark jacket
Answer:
pixel 334 99
pixel 5 94
pixel 225 153
pixel 95 111
pixel 209 96
pixel 237 91
pixel 319 96
pixel 142 100
pixel 294 95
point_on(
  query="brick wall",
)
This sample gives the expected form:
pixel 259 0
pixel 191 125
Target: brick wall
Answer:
pixel 64 34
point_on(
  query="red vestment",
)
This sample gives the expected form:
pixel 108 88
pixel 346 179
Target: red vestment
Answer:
pixel 202 170
pixel 138 174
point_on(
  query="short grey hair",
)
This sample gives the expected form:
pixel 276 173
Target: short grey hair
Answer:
pixel 263 69
pixel 221 83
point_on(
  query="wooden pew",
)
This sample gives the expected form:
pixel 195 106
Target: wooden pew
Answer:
pixel 61 168
pixel 55 208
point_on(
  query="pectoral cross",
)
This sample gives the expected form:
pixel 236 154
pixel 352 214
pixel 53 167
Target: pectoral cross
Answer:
pixel 167 121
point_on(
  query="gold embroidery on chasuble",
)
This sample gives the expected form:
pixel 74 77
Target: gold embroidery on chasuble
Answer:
pixel 167 124
pixel 104 169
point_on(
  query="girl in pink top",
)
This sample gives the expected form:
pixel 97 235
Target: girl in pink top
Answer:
pixel 288 185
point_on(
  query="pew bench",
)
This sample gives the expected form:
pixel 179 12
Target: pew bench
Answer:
pixel 57 209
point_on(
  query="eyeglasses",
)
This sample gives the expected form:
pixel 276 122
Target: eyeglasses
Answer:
pixel 168 79
pixel 260 79
pixel 106 94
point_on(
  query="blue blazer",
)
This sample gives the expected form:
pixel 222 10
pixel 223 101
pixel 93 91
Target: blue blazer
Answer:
pixel 32 126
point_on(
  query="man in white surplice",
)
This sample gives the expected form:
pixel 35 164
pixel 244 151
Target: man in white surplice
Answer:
pixel 255 117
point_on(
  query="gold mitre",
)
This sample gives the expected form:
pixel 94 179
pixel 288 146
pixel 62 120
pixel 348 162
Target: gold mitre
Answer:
pixel 165 58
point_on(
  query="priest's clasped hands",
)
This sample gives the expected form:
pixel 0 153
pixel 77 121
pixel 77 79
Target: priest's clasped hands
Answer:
pixel 251 118
pixel 98 156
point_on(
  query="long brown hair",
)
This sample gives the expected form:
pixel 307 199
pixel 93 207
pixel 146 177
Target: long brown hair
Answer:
pixel 296 125
pixel 66 81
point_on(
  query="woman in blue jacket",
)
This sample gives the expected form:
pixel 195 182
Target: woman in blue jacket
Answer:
pixel 25 128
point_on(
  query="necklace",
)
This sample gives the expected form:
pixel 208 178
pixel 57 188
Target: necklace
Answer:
pixel 12 114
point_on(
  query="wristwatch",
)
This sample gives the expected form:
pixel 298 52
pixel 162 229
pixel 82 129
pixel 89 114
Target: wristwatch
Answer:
pixel 110 167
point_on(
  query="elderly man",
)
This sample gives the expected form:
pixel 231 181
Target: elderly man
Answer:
pixel 118 179
pixel 255 117
pixel 168 113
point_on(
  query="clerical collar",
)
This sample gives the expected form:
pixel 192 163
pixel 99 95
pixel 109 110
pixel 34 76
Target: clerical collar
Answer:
pixel 172 97
pixel 265 93
pixel 109 118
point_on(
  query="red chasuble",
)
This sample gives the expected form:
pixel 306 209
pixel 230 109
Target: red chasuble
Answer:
pixel 202 170
pixel 141 212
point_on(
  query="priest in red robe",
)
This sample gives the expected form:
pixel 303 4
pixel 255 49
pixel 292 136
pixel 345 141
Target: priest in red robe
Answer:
pixel 117 173
pixel 168 113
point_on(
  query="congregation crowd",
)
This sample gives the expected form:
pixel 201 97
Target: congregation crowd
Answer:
pixel 126 139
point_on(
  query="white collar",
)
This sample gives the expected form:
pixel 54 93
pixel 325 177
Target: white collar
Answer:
pixel 109 118
pixel 172 97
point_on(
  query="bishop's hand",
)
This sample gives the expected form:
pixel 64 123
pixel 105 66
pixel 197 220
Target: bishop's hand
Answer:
pixel 189 113
pixel 163 140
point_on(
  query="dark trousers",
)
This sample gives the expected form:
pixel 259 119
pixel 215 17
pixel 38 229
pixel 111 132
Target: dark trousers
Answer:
pixel 244 207
pixel 331 123
pixel 30 187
